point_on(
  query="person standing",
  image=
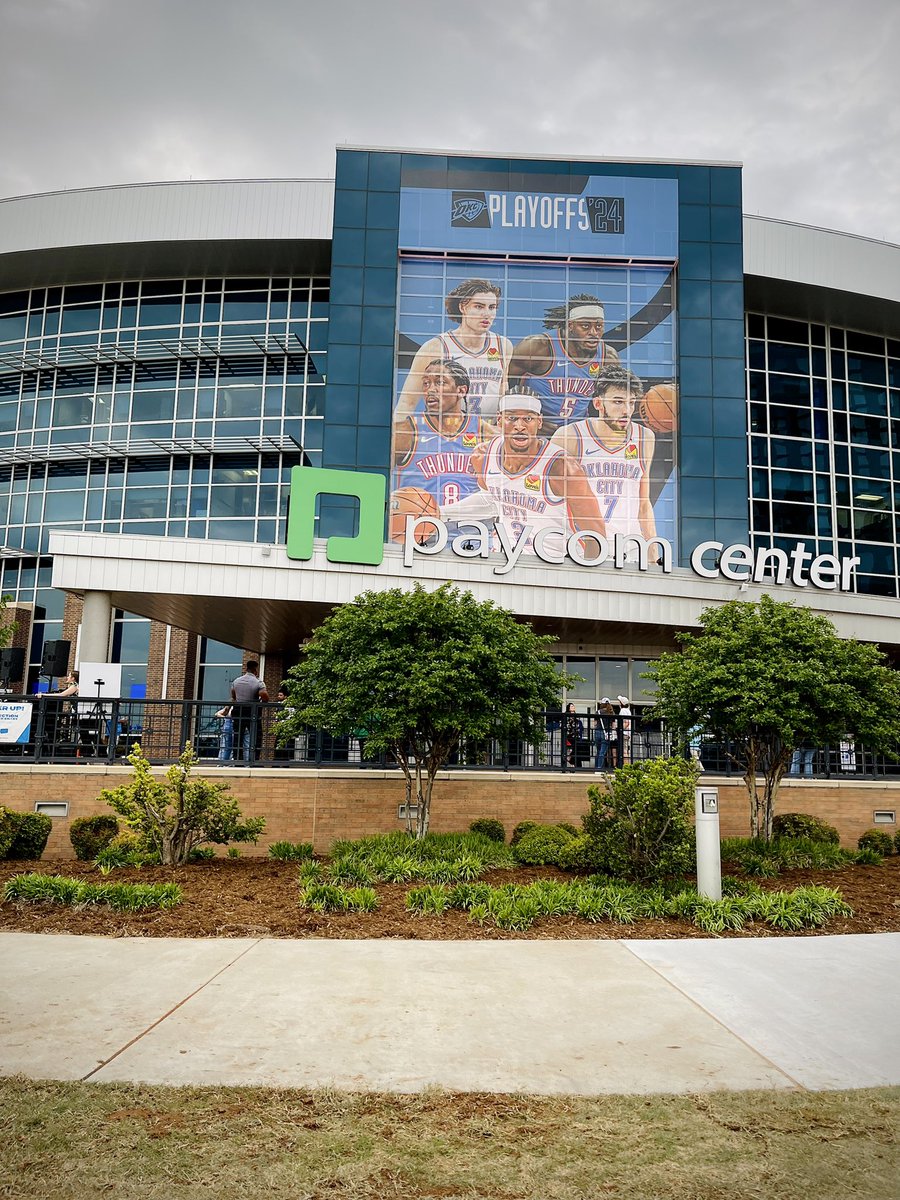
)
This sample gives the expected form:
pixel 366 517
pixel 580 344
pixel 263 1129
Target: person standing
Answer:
pixel 573 733
pixel 248 691
pixel 226 734
pixel 602 726
pixel 625 729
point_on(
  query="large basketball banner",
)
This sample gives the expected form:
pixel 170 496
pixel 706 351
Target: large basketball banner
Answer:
pixel 535 382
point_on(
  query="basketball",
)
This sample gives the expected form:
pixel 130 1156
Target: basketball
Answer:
pixel 415 502
pixel 659 406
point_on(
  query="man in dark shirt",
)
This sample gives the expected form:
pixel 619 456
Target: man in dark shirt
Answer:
pixel 247 691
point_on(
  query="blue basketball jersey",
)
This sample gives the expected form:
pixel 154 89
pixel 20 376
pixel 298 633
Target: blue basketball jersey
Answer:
pixel 439 464
pixel 566 390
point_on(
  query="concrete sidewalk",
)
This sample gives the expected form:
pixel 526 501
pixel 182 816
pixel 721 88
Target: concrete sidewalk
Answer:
pixel 520 1016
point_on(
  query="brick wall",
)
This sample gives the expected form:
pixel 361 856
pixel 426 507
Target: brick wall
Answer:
pixel 317 807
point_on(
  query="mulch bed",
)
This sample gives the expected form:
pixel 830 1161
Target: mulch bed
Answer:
pixel 257 897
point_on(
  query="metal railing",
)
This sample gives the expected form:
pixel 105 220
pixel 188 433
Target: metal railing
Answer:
pixel 105 731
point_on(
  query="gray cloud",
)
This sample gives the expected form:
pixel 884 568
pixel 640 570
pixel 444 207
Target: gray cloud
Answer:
pixel 118 91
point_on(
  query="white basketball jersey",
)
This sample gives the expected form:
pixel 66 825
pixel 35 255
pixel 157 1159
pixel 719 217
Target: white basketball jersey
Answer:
pixel 614 475
pixel 525 498
pixel 485 370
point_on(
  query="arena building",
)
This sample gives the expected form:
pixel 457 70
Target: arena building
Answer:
pixel 173 354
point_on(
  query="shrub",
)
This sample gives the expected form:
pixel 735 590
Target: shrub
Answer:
pixel 126 850
pixel 56 889
pixel 90 835
pixel 399 857
pixel 202 854
pixel 642 825
pixel 310 872
pixel 490 828
pixel 31 836
pixel 520 830
pixel 177 814
pixel 543 845
pixel 897 841
pixel 291 851
pixel 802 825
pixel 580 855
pixel 9 826
pixel 350 870
pixel 362 899
pixel 323 897
pixel 877 840
pixel 768 859
pixel 431 898
pixel 868 858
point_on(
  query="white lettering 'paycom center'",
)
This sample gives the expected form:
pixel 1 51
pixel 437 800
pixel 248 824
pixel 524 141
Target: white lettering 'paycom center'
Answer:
pixel 738 564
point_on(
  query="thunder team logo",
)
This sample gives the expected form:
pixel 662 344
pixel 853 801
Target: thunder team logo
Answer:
pixel 469 210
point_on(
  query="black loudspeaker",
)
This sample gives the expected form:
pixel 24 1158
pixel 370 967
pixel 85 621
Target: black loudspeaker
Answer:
pixel 56 658
pixel 12 664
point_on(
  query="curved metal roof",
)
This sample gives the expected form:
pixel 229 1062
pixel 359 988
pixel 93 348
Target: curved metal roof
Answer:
pixel 245 226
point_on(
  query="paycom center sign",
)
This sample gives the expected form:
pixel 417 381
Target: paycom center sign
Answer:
pixel 428 535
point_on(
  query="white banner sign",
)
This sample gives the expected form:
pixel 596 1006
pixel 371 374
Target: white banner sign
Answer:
pixel 15 721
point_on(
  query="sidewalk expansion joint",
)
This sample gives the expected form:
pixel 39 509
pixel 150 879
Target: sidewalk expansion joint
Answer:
pixel 175 1007
pixel 718 1020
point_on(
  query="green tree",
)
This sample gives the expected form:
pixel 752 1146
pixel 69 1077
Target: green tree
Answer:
pixel 641 825
pixel 419 672
pixel 765 678
pixel 178 813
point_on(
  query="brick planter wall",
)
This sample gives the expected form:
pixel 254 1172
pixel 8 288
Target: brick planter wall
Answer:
pixel 320 806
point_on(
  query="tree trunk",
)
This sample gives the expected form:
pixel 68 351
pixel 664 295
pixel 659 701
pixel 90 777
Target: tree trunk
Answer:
pixel 756 804
pixel 423 803
pixel 773 782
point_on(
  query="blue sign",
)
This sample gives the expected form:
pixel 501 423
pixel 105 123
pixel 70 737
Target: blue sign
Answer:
pixel 610 217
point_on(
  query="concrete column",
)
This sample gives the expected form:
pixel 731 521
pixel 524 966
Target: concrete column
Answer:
pixel 96 620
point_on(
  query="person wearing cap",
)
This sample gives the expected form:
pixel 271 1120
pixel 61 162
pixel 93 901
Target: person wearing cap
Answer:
pixel 535 484
pixel 485 355
pixel 560 366
pixel 616 453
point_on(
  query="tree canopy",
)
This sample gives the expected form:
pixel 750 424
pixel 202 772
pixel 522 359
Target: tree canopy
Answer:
pixel 419 671
pixel 767 678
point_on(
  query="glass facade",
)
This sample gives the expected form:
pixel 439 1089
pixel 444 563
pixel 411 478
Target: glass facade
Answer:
pixel 602 676
pixel 824 420
pixel 163 407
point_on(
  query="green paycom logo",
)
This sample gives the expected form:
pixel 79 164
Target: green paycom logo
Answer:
pixel 307 484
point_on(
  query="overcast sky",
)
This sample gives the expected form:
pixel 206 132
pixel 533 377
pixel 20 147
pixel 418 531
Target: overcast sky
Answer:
pixel 806 93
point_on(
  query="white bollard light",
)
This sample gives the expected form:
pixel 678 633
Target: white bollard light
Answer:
pixel 709 862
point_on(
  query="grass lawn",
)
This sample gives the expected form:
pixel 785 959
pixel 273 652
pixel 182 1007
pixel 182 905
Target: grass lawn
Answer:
pixel 74 1140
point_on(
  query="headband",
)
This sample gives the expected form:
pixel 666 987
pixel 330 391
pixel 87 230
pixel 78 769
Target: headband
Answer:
pixel 584 312
pixel 514 403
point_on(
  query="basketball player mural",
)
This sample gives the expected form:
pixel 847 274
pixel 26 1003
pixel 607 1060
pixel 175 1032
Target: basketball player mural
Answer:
pixel 473 305
pixel 615 453
pixel 433 447
pixel 560 366
pixel 534 483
